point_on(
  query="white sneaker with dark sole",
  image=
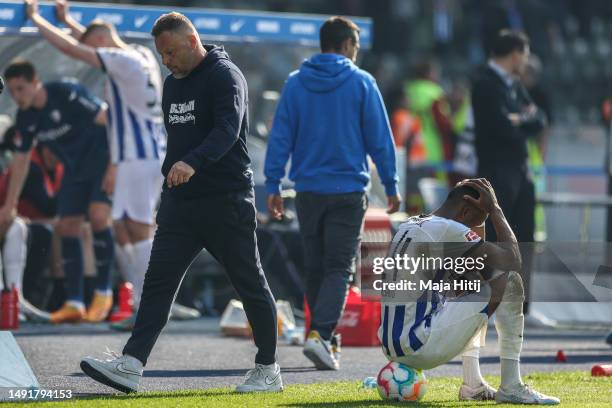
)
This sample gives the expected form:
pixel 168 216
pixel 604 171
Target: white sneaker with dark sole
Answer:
pixel 320 352
pixel 522 394
pixel 122 373
pixel 484 392
pixel 262 378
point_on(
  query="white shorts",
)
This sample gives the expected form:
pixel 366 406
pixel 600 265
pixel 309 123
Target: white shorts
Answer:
pixel 137 188
pixel 453 329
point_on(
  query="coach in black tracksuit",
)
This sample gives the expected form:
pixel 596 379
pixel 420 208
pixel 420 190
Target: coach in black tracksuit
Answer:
pixel 504 118
pixel 207 200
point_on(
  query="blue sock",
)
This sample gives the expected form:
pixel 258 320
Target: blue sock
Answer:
pixel 104 249
pixel 72 256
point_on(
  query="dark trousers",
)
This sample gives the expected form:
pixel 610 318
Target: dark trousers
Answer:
pixel 225 226
pixel 331 227
pixel 515 193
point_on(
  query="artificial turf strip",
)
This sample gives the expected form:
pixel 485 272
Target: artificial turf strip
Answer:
pixel 576 389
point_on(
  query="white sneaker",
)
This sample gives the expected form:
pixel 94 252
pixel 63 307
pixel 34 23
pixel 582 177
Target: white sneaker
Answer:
pixel 483 392
pixel 336 346
pixel 180 312
pixel 121 372
pixel 262 378
pixel 522 394
pixel 320 352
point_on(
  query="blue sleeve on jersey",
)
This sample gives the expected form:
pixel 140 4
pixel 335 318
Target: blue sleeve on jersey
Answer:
pixel 80 101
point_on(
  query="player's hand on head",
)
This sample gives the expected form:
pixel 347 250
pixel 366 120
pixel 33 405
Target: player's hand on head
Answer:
pixel 31 7
pixel 61 10
pixel 275 206
pixel 487 200
pixel 180 173
pixel 393 203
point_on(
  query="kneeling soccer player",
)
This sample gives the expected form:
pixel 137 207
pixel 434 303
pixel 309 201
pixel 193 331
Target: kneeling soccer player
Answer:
pixel 432 328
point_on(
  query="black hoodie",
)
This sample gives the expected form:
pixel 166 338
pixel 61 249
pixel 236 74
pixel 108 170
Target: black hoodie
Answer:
pixel 206 117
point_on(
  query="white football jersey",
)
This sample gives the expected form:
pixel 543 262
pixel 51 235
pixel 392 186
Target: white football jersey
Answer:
pixel 406 315
pixel 133 92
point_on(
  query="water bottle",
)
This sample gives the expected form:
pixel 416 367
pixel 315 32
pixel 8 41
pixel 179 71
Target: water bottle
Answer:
pixel 9 309
pixel 370 382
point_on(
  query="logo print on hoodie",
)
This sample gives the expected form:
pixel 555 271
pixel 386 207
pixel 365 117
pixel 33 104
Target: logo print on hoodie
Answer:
pixel 181 113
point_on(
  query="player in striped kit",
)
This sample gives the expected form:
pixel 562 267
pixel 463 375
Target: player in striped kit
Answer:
pixel 135 131
pixel 424 328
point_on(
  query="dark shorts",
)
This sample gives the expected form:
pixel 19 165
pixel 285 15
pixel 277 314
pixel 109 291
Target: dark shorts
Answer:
pixel 76 194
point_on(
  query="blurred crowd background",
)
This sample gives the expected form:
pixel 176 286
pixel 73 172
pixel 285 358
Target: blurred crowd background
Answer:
pixel 423 56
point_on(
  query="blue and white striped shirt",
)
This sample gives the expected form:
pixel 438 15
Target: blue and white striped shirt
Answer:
pixel 406 318
pixel 133 92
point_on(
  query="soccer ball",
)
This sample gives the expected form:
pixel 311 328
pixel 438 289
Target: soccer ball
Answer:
pixel 397 382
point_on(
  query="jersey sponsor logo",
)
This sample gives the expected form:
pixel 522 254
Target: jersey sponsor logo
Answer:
pixel 56 115
pixel 53 134
pixel 472 236
pixel 182 107
pixel 182 113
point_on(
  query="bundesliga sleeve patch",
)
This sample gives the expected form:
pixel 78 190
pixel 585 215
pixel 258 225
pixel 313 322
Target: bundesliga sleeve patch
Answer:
pixel 472 236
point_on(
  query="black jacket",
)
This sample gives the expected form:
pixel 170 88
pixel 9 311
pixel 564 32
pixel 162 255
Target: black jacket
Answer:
pixel 498 141
pixel 206 118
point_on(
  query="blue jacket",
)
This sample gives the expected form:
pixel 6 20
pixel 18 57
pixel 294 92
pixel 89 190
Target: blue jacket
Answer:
pixel 330 115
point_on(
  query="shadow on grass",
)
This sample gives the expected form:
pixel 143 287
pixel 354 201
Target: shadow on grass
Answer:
pixel 548 359
pixel 371 402
pixel 205 373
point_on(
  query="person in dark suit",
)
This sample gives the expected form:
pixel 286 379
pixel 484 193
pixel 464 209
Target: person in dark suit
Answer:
pixel 505 117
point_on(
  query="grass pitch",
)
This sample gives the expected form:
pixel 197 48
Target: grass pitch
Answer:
pixel 575 389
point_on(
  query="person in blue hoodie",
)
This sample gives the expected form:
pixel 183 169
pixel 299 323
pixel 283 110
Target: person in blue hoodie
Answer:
pixel 329 118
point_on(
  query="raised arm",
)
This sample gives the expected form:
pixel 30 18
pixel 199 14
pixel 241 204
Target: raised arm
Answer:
pixel 59 39
pixel 63 15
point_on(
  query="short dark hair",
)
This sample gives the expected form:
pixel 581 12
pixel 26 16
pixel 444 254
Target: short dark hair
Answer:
pixel 335 31
pixel 455 196
pixel 508 41
pixel 170 22
pixel 20 68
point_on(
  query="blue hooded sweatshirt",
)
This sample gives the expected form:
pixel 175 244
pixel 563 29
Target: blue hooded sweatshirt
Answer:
pixel 329 117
